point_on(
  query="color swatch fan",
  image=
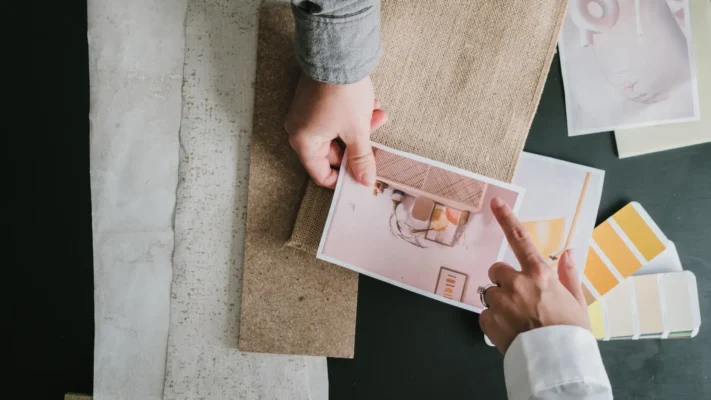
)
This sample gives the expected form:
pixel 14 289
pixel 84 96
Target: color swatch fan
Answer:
pixel 658 306
pixel 619 247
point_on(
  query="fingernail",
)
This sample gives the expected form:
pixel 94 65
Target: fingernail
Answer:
pixel 569 253
pixel 367 178
pixel 497 202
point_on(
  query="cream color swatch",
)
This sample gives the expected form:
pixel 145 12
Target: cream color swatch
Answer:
pixel 657 306
pixel 677 286
pixel 634 142
pixel 620 316
pixel 648 310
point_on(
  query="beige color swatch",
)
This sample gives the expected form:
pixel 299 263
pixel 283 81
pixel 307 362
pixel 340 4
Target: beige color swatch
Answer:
pixel 658 306
pixel 634 142
pixel 465 96
pixel 648 309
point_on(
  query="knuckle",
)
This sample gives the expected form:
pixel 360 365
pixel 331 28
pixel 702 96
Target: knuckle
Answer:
pixel 362 159
pixel 296 142
pixel 493 297
pixel 320 179
pixel 519 284
pixel 540 277
pixel 497 272
pixel 534 259
pixel 519 233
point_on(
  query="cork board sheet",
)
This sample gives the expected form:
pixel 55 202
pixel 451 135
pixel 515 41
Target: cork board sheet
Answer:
pixel 465 96
pixel 292 303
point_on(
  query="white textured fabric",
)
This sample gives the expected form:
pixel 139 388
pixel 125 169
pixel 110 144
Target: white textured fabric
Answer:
pixel 218 95
pixel 137 49
pixel 556 363
pixel 136 62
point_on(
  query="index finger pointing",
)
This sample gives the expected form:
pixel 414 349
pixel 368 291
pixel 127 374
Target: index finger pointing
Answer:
pixel 517 236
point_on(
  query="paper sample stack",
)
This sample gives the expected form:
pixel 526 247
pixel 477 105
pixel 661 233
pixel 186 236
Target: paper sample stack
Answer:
pixel 638 141
pixel 634 282
pixel 658 306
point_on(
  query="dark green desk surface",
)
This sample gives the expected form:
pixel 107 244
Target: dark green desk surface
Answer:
pixel 412 347
pixel 407 346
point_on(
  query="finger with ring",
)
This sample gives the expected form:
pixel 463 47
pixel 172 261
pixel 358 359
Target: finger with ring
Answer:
pixel 482 293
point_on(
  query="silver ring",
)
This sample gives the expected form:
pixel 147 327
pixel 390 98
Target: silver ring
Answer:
pixel 482 292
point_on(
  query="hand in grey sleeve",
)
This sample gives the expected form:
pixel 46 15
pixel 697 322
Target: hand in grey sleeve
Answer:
pixel 337 41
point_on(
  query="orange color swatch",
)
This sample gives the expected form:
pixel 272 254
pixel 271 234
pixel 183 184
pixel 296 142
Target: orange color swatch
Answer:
pixel 615 249
pixel 639 232
pixel 598 274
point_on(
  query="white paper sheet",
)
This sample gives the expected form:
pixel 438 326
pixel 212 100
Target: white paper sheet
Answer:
pixel 555 191
pixel 203 360
pixel 638 141
pixel 136 60
pixel 626 64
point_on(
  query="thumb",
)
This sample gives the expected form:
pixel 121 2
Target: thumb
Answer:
pixel 569 277
pixel 360 158
pixel 378 119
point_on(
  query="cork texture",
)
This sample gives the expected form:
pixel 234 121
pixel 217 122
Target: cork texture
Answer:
pixel 292 303
pixel 465 95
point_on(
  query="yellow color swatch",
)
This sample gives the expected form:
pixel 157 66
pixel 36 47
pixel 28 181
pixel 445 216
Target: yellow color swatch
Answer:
pixel 598 274
pixel 547 235
pixel 589 298
pixel 639 232
pixel 597 319
pixel 615 249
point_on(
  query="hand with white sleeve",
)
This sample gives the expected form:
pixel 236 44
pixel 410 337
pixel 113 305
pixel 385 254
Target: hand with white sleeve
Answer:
pixel 534 297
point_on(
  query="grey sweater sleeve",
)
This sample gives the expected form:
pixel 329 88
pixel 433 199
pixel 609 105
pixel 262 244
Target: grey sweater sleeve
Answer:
pixel 337 41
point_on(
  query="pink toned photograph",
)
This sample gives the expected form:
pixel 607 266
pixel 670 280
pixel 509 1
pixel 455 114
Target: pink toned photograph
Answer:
pixel 424 226
pixel 627 64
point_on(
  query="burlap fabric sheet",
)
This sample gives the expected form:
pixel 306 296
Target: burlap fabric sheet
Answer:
pixel 461 81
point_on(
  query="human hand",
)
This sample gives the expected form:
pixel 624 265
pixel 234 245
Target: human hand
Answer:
pixel 533 297
pixel 319 114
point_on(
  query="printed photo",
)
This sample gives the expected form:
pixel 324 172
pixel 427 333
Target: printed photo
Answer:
pixel 424 226
pixel 626 64
pixel 560 208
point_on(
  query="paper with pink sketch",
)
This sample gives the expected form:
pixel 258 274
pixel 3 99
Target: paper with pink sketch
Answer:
pixel 424 226
pixel 627 64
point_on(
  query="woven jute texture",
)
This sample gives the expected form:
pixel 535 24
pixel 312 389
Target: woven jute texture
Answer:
pixel 461 81
pixel 433 180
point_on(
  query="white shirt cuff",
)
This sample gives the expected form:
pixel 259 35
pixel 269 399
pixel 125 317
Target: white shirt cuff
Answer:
pixel 555 362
